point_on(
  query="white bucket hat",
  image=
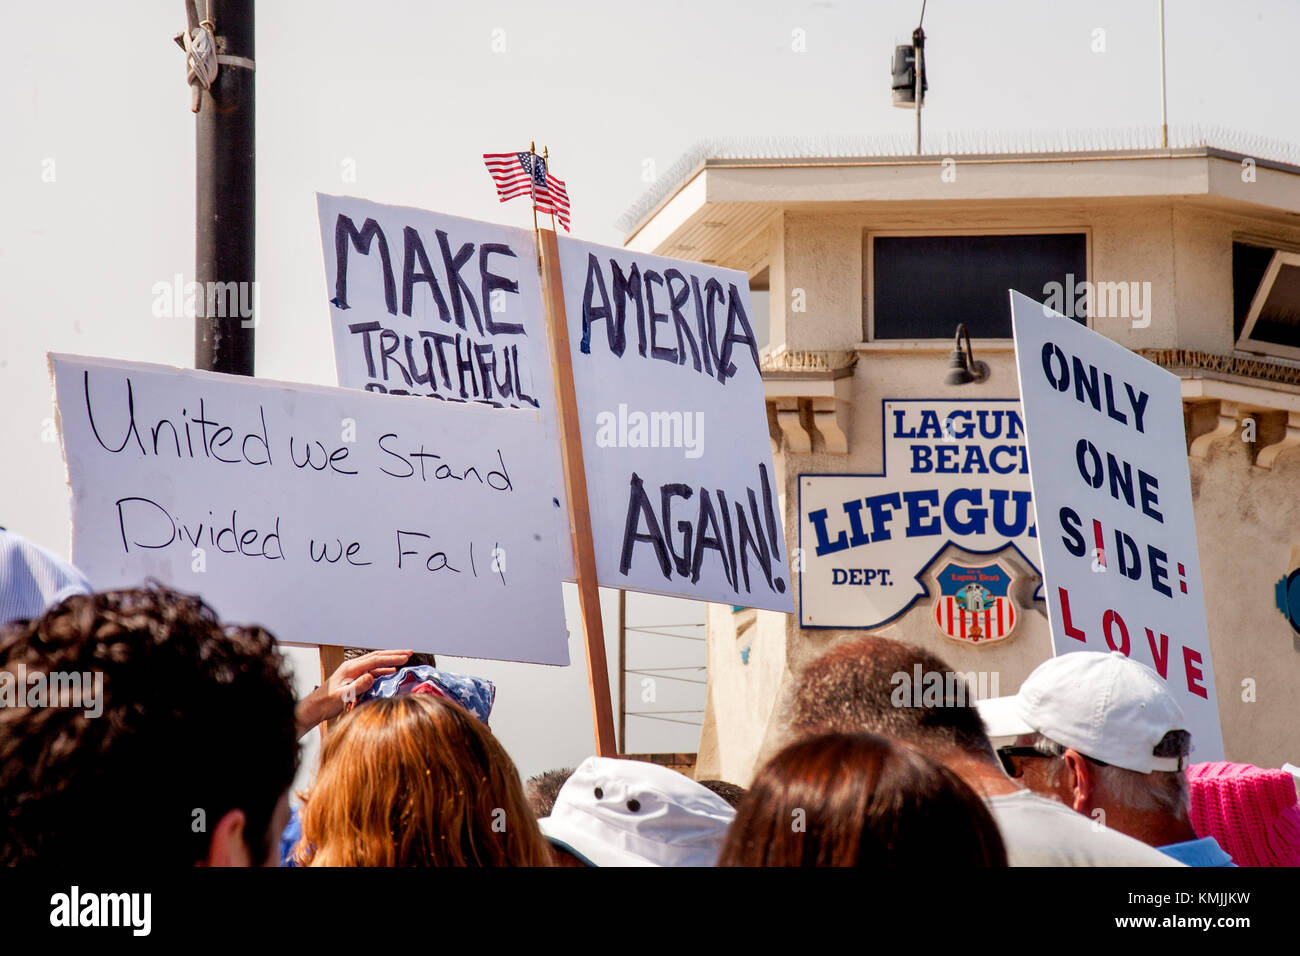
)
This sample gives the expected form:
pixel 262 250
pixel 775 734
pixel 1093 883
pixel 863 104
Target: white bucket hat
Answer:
pixel 628 813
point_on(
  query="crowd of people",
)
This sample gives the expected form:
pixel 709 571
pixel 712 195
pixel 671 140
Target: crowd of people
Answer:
pixel 185 751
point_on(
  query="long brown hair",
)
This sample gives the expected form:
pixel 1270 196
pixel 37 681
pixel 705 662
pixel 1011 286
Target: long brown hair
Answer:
pixel 860 800
pixel 417 781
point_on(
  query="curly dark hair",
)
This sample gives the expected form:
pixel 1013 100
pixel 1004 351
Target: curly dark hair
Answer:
pixel 197 719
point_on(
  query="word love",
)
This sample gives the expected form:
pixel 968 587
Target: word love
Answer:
pixel 1114 630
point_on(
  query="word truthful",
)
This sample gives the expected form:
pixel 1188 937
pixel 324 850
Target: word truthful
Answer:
pixel 653 430
pixel 1062 371
pixel 1115 632
pixel 76 690
pixel 471 374
pixel 75 908
pixel 941 688
pixel 734 536
pixel 961 512
pixel 1079 300
pixel 691 321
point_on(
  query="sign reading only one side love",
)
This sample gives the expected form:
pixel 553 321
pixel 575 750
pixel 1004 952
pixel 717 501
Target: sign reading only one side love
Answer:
pixel 1108 463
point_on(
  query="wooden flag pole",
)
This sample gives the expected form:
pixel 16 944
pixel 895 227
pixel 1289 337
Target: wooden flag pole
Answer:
pixel 575 484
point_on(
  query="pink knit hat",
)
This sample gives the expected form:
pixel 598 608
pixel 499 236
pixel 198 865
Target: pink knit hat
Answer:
pixel 1250 811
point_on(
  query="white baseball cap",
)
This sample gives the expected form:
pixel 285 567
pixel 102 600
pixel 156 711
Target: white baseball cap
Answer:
pixel 629 813
pixel 1106 706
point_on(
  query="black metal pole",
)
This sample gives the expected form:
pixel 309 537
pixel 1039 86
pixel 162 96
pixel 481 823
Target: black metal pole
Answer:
pixel 225 199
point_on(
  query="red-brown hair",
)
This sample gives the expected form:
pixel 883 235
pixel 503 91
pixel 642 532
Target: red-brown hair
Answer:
pixel 860 800
pixel 417 781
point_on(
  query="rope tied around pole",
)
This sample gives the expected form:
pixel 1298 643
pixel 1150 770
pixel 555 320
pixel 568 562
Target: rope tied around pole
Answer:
pixel 201 55
pixel 203 59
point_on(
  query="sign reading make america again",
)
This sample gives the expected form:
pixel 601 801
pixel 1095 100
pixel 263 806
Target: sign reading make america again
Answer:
pixel 956 474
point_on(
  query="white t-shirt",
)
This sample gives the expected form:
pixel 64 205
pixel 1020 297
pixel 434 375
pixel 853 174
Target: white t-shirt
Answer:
pixel 1038 831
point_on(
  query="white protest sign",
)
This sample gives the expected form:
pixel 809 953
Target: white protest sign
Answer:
pixel 1108 463
pixel 674 429
pixel 433 305
pixel 327 515
pixel 447 308
pixel 955 473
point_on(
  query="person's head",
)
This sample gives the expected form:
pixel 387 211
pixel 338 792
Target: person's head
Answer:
pixel 416 780
pixel 732 793
pixel 860 800
pixel 869 686
pixel 1099 732
pixel 613 812
pixel 160 737
pixel 542 790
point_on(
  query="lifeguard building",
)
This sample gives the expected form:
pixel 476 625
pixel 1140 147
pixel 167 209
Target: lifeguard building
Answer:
pixel 1189 256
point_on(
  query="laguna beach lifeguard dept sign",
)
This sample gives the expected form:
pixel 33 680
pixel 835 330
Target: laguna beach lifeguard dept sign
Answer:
pixel 950 521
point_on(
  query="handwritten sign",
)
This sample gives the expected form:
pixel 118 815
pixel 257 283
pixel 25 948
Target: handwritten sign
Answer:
pixel 433 305
pixel 955 473
pixel 329 516
pixel 674 428
pixel 1108 464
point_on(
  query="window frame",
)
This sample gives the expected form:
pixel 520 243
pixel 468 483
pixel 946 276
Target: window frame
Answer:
pixel 1244 342
pixel 869 273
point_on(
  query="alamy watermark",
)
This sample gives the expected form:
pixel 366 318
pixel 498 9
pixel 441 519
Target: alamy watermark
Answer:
pixel 1100 300
pixel 79 690
pixel 922 688
pixel 215 300
pixel 660 429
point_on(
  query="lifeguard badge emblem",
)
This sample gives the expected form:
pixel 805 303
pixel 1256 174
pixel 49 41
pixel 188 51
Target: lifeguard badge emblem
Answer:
pixel 974 604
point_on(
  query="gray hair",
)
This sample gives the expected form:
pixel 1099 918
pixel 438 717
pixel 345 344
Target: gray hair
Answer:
pixel 1163 791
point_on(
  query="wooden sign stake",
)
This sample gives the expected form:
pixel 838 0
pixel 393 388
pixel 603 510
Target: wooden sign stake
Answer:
pixel 575 484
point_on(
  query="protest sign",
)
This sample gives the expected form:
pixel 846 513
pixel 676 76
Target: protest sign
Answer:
pixel 327 515
pixel 433 305
pixel 955 473
pixel 443 307
pixel 674 430
pixel 1108 464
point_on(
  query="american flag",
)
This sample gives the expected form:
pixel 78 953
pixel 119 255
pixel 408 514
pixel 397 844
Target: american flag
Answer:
pixel 525 174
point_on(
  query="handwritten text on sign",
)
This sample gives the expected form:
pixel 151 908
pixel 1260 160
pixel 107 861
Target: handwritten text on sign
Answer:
pixel 1108 463
pixel 329 516
pixel 674 428
pixel 427 304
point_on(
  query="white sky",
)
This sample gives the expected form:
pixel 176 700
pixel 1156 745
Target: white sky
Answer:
pixel 410 94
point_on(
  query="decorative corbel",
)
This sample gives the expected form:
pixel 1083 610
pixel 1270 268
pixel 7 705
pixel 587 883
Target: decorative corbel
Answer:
pixel 1208 422
pixel 1281 434
pixel 797 439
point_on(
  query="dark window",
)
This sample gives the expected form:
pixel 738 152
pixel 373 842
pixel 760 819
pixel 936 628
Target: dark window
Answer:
pixel 926 285
pixel 1248 265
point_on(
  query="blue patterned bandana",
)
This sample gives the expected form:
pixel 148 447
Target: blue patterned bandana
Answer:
pixel 475 694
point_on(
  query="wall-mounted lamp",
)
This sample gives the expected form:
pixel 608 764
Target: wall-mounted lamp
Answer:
pixel 962 367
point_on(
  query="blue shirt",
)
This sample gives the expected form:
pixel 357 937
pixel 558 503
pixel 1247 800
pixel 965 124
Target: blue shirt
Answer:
pixel 1203 852
pixel 32 579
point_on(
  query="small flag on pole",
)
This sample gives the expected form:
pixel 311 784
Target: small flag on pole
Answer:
pixel 525 174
